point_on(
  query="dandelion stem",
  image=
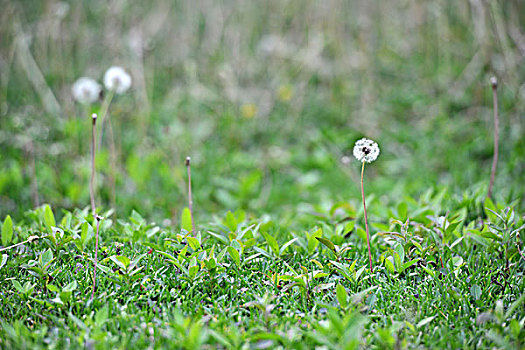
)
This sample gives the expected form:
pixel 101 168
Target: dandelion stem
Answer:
pixel 494 83
pixel 98 219
pixel 93 150
pixel 103 113
pixel 190 199
pixel 366 218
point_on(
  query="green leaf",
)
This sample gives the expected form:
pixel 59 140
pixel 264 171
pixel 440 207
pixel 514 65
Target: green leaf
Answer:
pixel 401 251
pixel 86 234
pixel 409 263
pixel 349 227
pixel 397 262
pixel 287 244
pixel 70 287
pixel 186 223
pixel 136 261
pixel 78 322
pixel 272 242
pixel 514 306
pixel 425 321
pixel 167 255
pixel 7 231
pixel 402 211
pixel 359 272
pixel 234 255
pixel 46 257
pixel 343 270
pixel 230 221
pixel 515 328
pixel 121 261
pixel 327 243
pixel 18 287
pixel 4 260
pixel 219 237
pixel 211 263
pixel 312 241
pixel 49 218
pixel 342 295
pixel 475 291
pixel 192 271
pixel 389 265
pixel 194 243
pixel 490 211
pixel 101 316
pixel 52 288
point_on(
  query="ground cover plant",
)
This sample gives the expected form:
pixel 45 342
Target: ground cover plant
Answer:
pixel 192 174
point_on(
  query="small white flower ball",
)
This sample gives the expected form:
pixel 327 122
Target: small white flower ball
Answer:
pixel 116 79
pixel 366 150
pixel 86 90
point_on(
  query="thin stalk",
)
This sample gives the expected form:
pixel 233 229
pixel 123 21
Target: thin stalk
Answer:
pixel 93 150
pixel 104 116
pixel 190 199
pixel 103 113
pixel 98 218
pixel 494 83
pixel 29 240
pixel 366 218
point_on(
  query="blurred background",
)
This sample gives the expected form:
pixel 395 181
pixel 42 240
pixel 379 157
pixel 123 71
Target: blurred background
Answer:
pixel 267 97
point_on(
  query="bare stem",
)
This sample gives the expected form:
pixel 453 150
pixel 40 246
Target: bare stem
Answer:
pixel 93 150
pixel 190 199
pixel 104 112
pixel 29 240
pixel 494 83
pixel 98 218
pixel 366 218
pixel 104 116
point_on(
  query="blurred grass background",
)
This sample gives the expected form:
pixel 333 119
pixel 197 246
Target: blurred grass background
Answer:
pixel 267 97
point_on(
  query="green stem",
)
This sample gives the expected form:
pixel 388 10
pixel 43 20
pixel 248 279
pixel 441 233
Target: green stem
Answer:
pixel 366 218
pixel 98 218
pixel 496 137
pixel 103 113
pixel 190 199
pixel 93 150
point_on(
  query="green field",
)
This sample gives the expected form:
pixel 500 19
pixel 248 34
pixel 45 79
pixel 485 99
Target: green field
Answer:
pixel 268 99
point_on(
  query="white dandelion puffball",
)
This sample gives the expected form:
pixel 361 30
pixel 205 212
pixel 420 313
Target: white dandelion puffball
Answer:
pixel 366 150
pixel 86 90
pixel 116 79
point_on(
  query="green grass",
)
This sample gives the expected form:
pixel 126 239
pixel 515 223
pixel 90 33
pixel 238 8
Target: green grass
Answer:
pixel 448 282
pixel 268 98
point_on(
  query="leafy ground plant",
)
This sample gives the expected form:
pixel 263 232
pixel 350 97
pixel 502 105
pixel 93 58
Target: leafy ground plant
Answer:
pixel 245 284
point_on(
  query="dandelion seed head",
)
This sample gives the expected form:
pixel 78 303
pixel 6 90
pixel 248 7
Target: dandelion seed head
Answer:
pixel 366 150
pixel 494 82
pixel 116 79
pixel 86 90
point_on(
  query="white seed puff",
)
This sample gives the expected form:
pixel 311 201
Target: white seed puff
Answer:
pixel 366 150
pixel 116 79
pixel 86 90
